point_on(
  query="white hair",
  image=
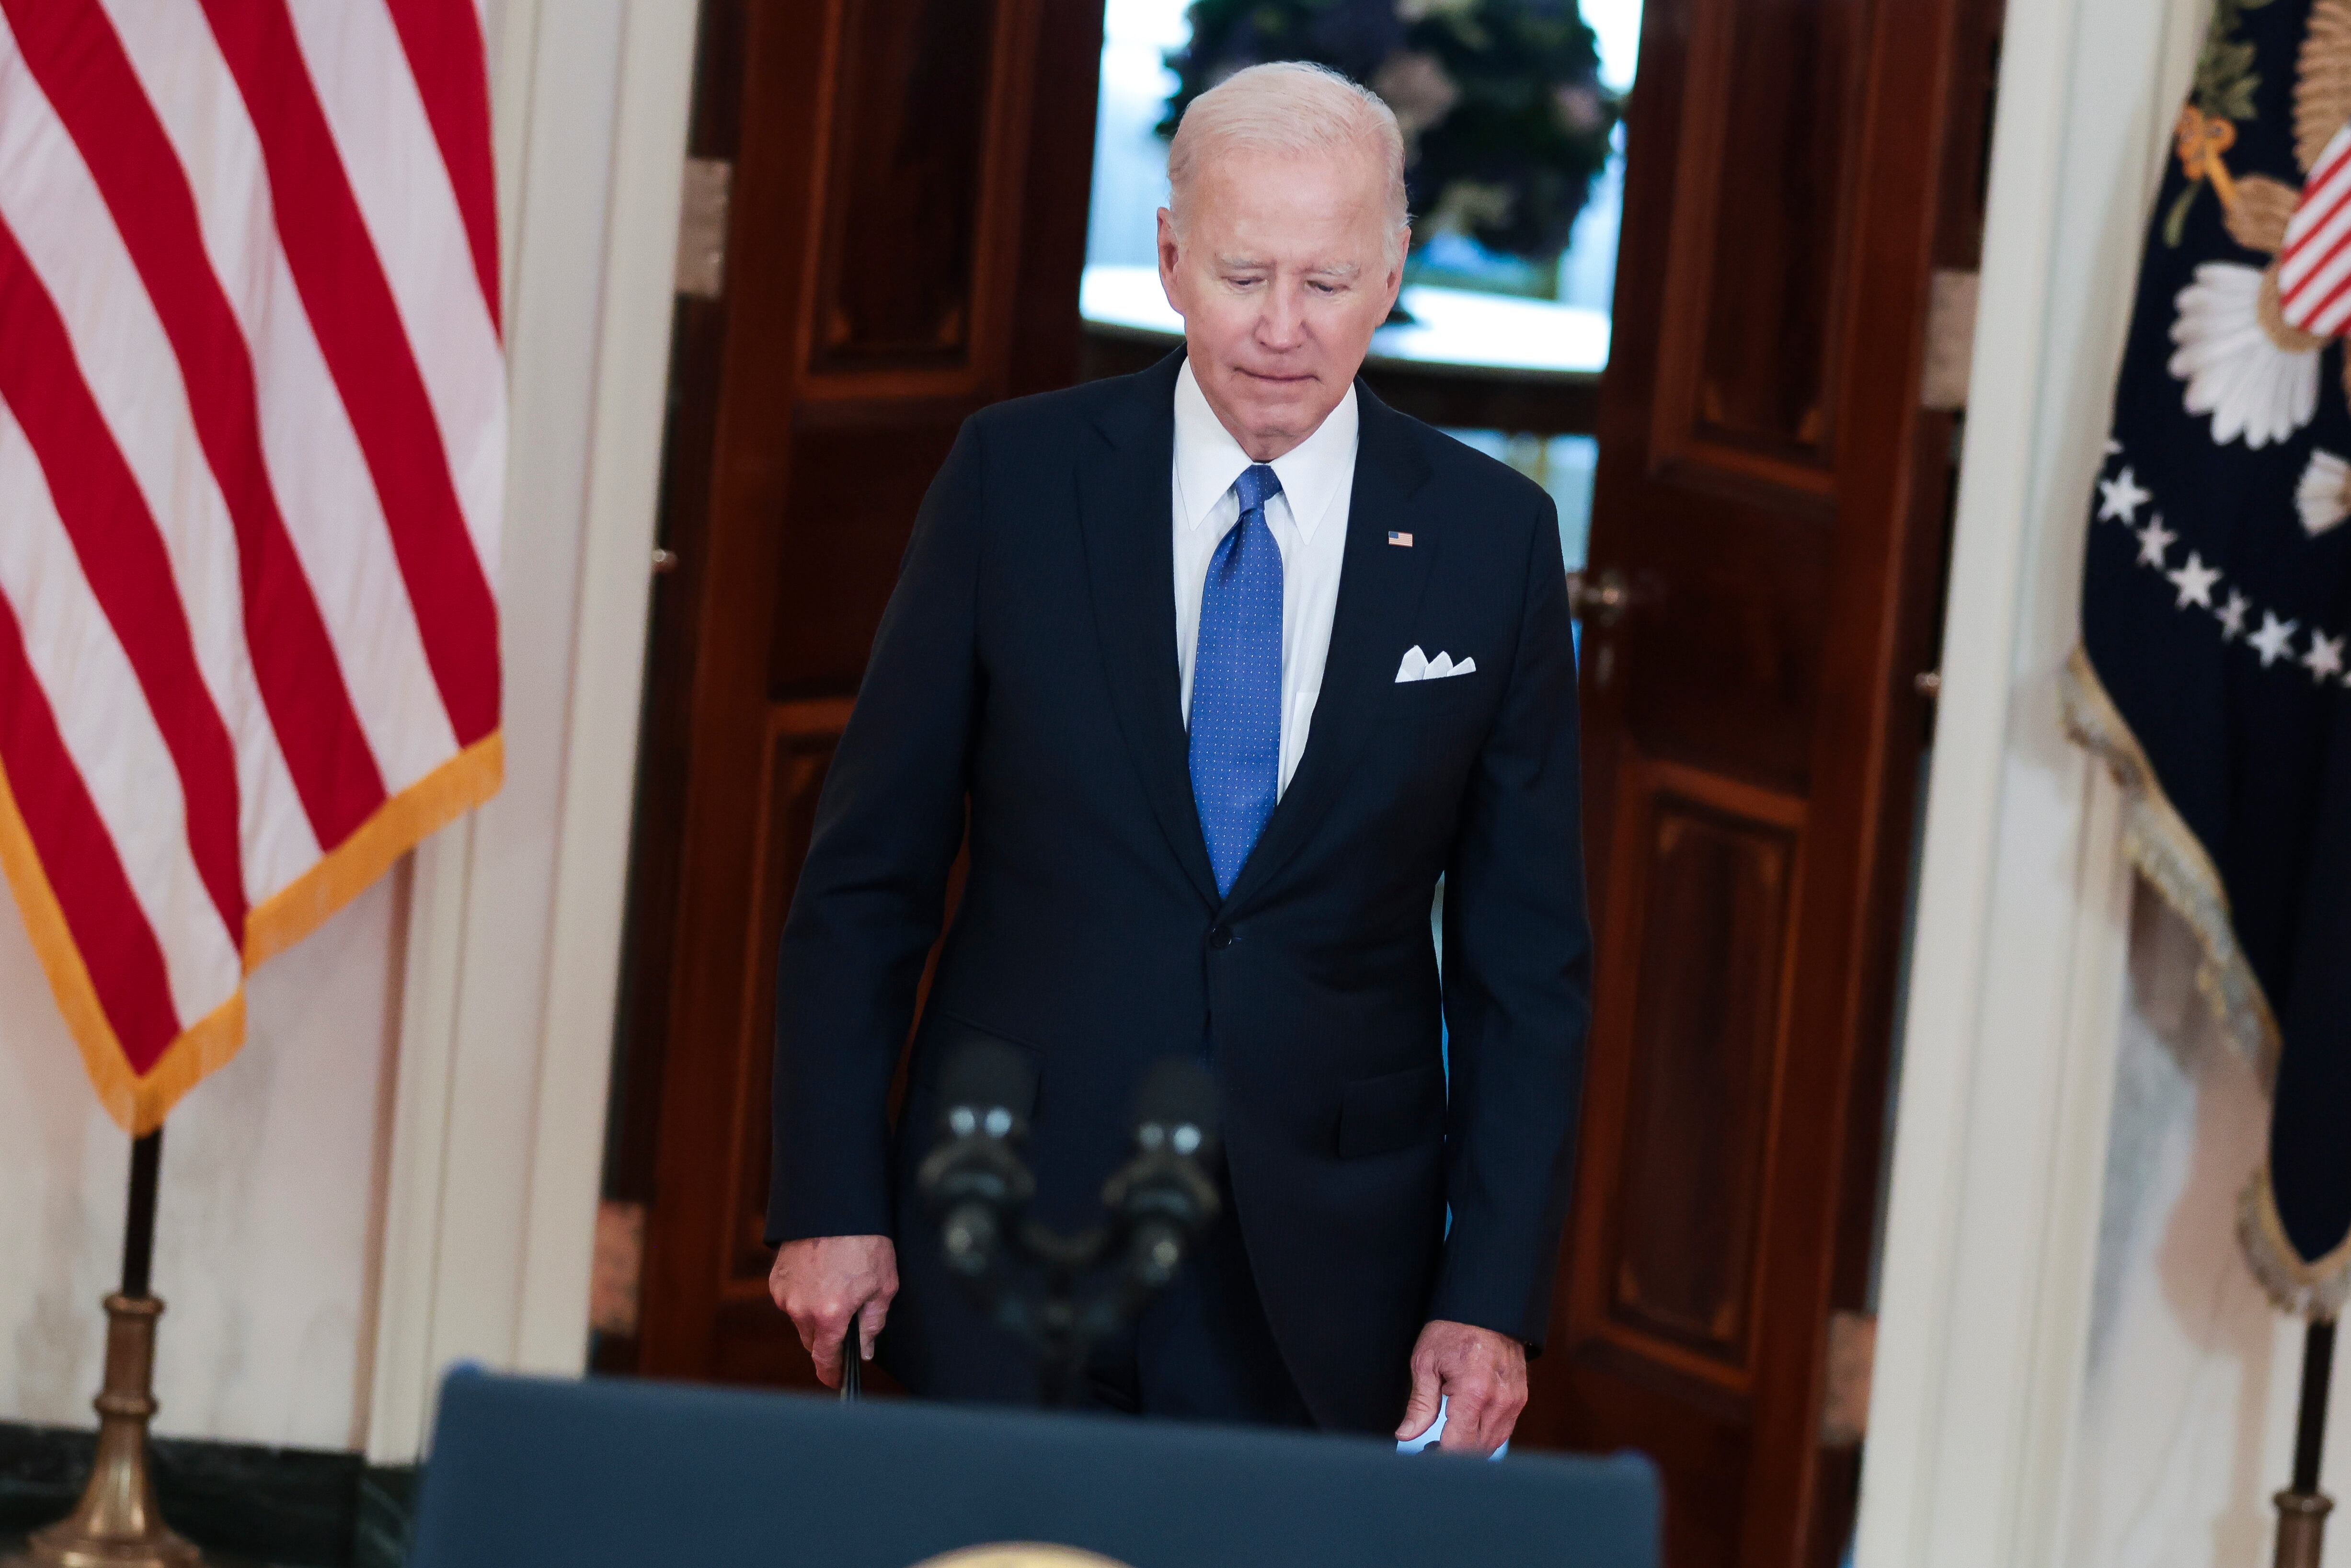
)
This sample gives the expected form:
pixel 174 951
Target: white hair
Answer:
pixel 1289 107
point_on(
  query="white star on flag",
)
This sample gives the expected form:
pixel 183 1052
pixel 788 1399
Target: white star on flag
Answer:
pixel 2274 637
pixel 2231 617
pixel 2194 581
pixel 2120 497
pixel 2153 540
pixel 2113 447
pixel 2325 656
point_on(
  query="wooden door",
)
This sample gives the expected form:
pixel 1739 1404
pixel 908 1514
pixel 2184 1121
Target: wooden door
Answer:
pixel 1769 518
pixel 908 210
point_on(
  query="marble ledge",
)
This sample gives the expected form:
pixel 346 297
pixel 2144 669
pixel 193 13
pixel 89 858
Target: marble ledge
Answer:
pixel 286 1507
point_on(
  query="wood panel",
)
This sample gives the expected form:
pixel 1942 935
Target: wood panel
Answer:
pixel 1679 1122
pixel 926 114
pixel 1714 885
pixel 1769 193
pixel 907 230
pixel 908 182
pixel 800 740
pixel 1719 663
pixel 849 511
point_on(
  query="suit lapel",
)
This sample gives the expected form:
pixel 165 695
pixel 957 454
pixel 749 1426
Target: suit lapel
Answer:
pixel 1379 589
pixel 1126 509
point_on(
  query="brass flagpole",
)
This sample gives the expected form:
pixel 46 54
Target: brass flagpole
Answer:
pixel 2303 1509
pixel 118 1523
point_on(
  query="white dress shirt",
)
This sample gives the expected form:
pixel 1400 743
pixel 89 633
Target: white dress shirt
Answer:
pixel 1309 522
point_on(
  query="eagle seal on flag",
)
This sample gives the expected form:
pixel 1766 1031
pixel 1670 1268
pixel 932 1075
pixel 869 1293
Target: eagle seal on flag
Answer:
pixel 2212 673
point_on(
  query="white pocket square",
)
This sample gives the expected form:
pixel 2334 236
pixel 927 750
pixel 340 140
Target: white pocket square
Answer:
pixel 1419 666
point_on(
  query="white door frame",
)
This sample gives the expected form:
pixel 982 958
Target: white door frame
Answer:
pixel 498 1130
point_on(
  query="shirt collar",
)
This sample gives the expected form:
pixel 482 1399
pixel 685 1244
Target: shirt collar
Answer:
pixel 1207 458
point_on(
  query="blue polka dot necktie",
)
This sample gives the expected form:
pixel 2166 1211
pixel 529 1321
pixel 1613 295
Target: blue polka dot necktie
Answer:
pixel 1237 683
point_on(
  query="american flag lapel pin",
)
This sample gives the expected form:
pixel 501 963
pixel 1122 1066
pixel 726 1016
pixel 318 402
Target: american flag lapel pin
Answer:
pixel 1396 539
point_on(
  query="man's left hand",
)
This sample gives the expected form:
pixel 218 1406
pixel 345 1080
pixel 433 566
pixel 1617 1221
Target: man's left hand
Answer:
pixel 1481 1375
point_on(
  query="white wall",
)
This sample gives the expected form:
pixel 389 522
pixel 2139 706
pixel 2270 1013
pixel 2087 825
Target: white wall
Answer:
pixel 400 1166
pixel 2187 1407
pixel 265 1233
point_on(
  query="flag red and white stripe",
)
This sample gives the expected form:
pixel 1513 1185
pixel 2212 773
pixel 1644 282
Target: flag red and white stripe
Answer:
pixel 2315 267
pixel 252 445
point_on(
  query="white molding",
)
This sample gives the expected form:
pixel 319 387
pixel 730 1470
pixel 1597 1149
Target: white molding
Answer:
pixel 398 1388
pixel 1963 796
pixel 2084 1113
pixel 608 665
pixel 398 1395
pixel 498 1124
pixel 2010 1033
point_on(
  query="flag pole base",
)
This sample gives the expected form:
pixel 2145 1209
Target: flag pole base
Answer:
pixel 2302 1527
pixel 118 1523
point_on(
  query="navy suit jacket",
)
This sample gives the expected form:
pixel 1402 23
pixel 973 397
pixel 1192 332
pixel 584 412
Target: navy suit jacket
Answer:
pixel 1023 690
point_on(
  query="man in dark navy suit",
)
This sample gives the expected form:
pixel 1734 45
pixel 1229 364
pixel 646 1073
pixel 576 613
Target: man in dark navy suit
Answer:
pixel 1225 665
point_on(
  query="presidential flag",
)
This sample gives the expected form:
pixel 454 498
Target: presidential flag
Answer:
pixel 2216 600
pixel 252 443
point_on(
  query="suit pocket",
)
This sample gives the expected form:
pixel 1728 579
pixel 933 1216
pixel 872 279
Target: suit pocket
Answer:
pixel 1446 698
pixel 1394 1111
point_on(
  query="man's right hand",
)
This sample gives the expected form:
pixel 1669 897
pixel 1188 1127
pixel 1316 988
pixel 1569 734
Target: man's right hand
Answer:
pixel 825 1282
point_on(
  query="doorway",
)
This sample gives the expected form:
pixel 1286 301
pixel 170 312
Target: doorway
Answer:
pixel 1740 415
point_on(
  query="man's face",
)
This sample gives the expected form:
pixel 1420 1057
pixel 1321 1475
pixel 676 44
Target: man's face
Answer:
pixel 1280 275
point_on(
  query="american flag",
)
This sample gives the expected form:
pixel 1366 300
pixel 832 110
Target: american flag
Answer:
pixel 2315 267
pixel 252 445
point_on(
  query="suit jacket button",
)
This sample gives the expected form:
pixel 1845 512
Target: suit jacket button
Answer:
pixel 1220 936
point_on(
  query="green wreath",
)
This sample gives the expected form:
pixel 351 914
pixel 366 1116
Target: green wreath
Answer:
pixel 1505 119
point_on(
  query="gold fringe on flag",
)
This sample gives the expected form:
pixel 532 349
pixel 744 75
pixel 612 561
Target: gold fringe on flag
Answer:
pixel 2170 856
pixel 139 1101
pixel 2313 1290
